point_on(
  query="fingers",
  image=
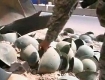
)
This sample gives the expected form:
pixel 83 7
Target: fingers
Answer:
pixel 39 47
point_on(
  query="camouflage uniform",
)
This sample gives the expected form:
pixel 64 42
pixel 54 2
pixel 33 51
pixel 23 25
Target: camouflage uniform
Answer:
pixel 101 12
pixel 61 13
pixel 101 16
pixel 102 62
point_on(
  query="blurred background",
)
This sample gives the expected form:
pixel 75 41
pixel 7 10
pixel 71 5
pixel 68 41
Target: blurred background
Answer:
pixel 42 1
pixel 51 2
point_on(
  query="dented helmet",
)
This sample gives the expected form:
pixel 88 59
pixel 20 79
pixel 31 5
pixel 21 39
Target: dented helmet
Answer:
pixel 11 37
pixel 7 54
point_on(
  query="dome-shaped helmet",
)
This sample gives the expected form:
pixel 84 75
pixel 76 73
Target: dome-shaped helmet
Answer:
pixel 85 50
pixel 49 62
pixel 24 41
pixel 30 54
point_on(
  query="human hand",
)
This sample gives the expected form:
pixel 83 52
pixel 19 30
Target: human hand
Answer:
pixel 44 45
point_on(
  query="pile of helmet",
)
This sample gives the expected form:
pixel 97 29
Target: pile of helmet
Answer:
pixel 71 54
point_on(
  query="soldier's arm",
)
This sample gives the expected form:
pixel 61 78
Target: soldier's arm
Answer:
pixel 100 11
pixel 102 61
pixel 61 13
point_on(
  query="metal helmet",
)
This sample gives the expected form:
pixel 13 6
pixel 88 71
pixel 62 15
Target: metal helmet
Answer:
pixel 61 44
pixel 88 41
pixel 11 37
pixel 69 30
pixel 71 53
pixel 65 48
pixel 64 65
pixel 49 62
pixel 90 64
pixel 68 78
pixel 24 41
pixel 73 45
pixel 4 75
pixel 85 50
pixel 93 37
pixel 68 51
pixel 86 38
pixel 7 53
pixel 30 54
pixel 75 36
pixel 87 75
pixel 97 55
pixel 79 43
pixel 89 33
pixel 76 65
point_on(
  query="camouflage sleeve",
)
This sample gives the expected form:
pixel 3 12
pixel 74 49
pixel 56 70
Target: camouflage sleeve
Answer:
pixel 102 62
pixel 101 16
pixel 100 11
pixel 61 13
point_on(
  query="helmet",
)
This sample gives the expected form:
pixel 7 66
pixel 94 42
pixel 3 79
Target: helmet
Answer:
pixel 7 53
pixel 24 41
pixel 84 50
pixel 87 75
pixel 30 54
pixel 49 62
